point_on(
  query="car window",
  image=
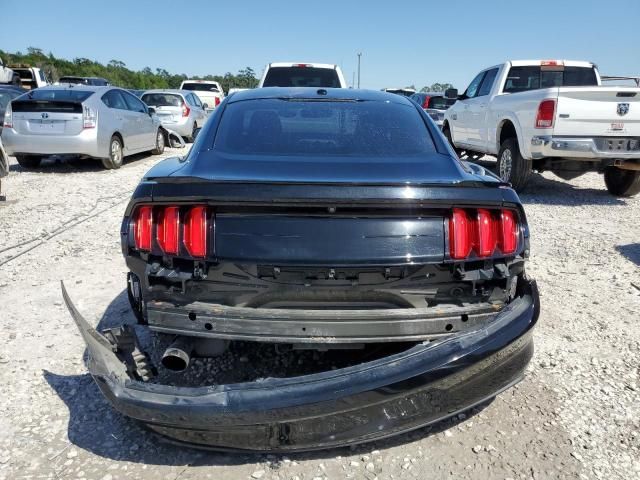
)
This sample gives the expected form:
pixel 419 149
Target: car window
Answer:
pixel 301 77
pixel 196 100
pixel 113 99
pixel 6 96
pixel 319 128
pixel 473 87
pixel 487 82
pixel 441 103
pixel 525 78
pixel 62 94
pixel 134 103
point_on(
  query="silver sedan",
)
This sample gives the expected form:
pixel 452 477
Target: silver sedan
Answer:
pixel 98 122
pixel 178 110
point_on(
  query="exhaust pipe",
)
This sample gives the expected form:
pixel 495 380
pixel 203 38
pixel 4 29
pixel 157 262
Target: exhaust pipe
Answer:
pixel 178 355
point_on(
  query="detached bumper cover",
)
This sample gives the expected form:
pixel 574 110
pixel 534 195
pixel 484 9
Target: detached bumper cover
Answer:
pixel 365 402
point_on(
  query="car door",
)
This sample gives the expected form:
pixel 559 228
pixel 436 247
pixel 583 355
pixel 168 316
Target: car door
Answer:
pixel 145 130
pixel 201 114
pixel 460 114
pixel 476 111
pixel 124 121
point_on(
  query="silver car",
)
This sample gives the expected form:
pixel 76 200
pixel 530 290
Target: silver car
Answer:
pixel 98 122
pixel 434 104
pixel 178 110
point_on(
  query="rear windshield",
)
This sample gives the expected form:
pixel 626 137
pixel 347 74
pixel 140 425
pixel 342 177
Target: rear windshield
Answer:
pixel 51 101
pixel 24 74
pixel 73 80
pixel 6 96
pixel 318 128
pixel 522 79
pixel 162 99
pixel 200 87
pixel 441 103
pixel 301 77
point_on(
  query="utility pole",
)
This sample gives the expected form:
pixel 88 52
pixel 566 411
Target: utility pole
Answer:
pixel 359 55
pixel 353 80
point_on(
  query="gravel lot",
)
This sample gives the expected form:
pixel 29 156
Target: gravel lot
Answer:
pixel 575 416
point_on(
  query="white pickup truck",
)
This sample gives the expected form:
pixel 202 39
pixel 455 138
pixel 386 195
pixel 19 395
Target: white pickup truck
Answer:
pixel 209 92
pixel 549 115
pixel 8 76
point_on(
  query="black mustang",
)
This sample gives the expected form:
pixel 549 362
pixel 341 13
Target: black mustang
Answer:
pixel 320 218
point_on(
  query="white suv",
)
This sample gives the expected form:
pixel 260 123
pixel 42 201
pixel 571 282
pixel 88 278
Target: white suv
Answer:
pixel 288 74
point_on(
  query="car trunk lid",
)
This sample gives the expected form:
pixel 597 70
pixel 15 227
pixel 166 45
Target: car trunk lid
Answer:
pixel 47 117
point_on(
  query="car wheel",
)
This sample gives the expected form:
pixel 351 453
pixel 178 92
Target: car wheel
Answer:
pixel 191 138
pixel 622 183
pixel 512 167
pixel 28 161
pixel 160 143
pixel 116 155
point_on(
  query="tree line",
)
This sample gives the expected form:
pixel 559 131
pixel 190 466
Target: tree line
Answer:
pixel 117 73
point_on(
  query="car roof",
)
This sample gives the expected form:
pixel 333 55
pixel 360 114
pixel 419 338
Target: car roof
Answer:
pixel 79 86
pixel 312 92
pixel 199 81
pixel 566 63
pixel 330 66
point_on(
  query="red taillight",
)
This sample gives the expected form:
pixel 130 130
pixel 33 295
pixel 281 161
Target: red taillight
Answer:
pixel 185 110
pixel 427 101
pixel 546 112
pixel 508 242
pixel 459 234
pixel 168 229
pixel 217 101
pixel 482 231
pixel 486 237
pixel 194 234
pixel 142 227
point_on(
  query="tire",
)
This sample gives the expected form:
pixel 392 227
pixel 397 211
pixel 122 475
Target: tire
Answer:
pixel 511 166
pixel 160 143
pixel 28 161
pixel 116 155
pixel 192 137
pixel 447 134
pixel 622 183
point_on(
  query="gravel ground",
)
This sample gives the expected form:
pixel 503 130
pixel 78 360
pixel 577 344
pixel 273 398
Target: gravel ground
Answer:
pixel 575 416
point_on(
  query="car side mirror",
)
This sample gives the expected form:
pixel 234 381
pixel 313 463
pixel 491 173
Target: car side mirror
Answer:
pixel 152 111
pixel 205 106
pixel 451 93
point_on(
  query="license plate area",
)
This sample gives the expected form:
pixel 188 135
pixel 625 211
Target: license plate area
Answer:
pixel 47 126
pixel 613 144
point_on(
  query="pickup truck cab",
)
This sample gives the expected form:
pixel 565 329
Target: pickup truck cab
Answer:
pixel 208 91
pixel 30 77
pixel 549 115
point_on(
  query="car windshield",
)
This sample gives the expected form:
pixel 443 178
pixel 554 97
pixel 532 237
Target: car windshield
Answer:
pixel 200 87
pixel 329 127
pixel 162 99
pixel 301 77
pixel 73 80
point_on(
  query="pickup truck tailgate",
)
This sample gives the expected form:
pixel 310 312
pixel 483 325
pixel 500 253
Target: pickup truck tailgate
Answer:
pixel 598 111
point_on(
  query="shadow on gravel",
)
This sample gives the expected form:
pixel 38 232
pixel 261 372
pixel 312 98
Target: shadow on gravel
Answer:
pixel 96 427
pixel 546 191
pixel 631 252
pixel 73 164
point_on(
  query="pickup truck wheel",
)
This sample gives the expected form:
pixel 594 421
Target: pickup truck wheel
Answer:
pixel 114 160
pixel 447 134
pixel 622 183
pixel 28 161
pixel 512 167
pixel 160 143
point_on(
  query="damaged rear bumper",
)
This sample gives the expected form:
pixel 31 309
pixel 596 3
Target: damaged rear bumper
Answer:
pixel 422 385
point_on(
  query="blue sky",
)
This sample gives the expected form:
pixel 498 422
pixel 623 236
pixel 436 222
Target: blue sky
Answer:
pixel 409 42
